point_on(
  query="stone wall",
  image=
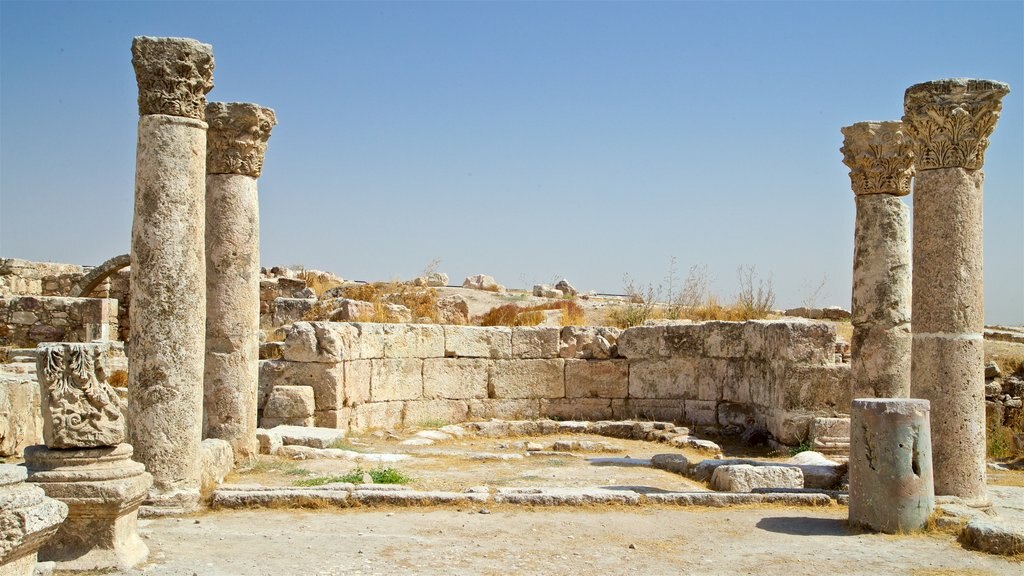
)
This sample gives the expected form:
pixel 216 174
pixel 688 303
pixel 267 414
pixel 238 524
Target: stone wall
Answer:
pixel 24 278
pixel 28 320
pixel 760 375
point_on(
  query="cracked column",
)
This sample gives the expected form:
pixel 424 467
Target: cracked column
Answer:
pixel 880 159
pixel 949 122
pixel 235 146
pixel 168 268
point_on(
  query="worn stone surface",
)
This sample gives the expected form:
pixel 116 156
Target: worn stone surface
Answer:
pixel 589 379
pixel 891 482
pixel 307 436
pixel 396 379
pixel 289 405
pixel 326 380
pixel 535 341
pixel 482 282
pixel 413 341
pixel 993 536
pixel 168 281
pixel 433 412
pixel 455 378
pixel 26 321
pixel 21 421
pixel 173 74
pixel 948 371
pixel 744 477
pixel 28 518
pixel 103 488
pixel 79 408
pixel 236 142
pixel 527 379
pixel 669 378
pixel 217 461
pixel 950 121
pixel 880 158
pixel 477 342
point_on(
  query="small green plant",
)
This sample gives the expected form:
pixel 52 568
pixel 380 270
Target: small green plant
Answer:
pixel 379 475
pixel 432 423
pixel 804 446
pixel 640 305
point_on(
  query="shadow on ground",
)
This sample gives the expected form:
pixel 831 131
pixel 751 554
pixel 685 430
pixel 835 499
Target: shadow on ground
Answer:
pixel 805 526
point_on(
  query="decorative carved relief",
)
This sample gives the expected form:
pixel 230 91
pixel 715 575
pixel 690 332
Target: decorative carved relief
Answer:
pixel 237 138
pixel 174 75
pixel 80 410
pixel 950 121
pixel 880 158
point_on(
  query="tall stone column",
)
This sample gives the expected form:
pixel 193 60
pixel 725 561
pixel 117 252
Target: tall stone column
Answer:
pixel 235 146
pixel 168 268
pixel 880 159
pixel 949 122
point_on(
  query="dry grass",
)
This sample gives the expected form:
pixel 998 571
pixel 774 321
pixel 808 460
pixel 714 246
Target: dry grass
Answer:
pixel 1008 355
pixel 119 379
pixel 319 282
pixel 420 300
pixel 515 315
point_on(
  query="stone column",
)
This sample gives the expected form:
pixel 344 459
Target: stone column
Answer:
pixel 168 267
pixel 891 487
pixel 235 146
pixel 28 518
pixel 949 122
pixel 880 159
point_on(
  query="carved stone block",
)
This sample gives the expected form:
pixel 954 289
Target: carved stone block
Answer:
pixel 80 410
pixel 237 138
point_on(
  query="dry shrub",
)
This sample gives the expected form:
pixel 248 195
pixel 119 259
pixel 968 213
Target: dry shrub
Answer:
pixel 119 379
pixel 319 282
pixel 420 300
pixel 640 306
pixel 513 315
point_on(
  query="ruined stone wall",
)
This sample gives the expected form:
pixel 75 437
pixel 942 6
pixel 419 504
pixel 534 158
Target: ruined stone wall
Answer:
pixel 28 320
pixel 24 278
pixel 770 375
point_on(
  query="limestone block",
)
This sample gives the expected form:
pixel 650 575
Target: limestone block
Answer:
pixel 367 342
pixel 21 422
pixel 811 387
pixel 269 441
pixel 668 378
pixel 80 410
pixel 725 340
pixel 891 482
pixel 642 342
pixel 326 380
pixel 714 375
pixel 577 408
pixel 745 478
pixel 338 419
pixel 413 341
pixel 589 342
pixel 880 361
pixel 503 409
pixel 482 282
pixel 357 381
pixel 799 341
pixel 421 413
pixel 535 341
pixel 670 410
pixel 685 339
pixel 596 378
pixel 700 412
pixel 527 379
pixel 453 310
pixel 349 310
pixel 317 342
pixel 28 518
pixel 396 379
pixel 291 405
pixel 312 437
pixel 376 415
pixel 217 460
pixel 789 427
pixel 672 462
pixel 994 536
pixel 289 310
pixel 735 414
pixel 478 341
pixel 957 419
pixel 760 377
pixel 455 378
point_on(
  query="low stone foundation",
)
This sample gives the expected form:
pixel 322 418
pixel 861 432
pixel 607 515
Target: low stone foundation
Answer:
pixel 28 320
pixel 774 376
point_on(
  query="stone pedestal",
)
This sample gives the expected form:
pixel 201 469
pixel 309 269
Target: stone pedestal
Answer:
pixel 102 488
pixel 236 144
pixel 168 268
pixel 880 159
pixel 28 518
pixel 949 122
pixel 891 485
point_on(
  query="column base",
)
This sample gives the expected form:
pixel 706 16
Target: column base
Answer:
pixel 28 519
pixel 103 488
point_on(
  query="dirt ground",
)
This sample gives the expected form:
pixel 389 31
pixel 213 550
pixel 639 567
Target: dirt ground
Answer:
pixel 650 541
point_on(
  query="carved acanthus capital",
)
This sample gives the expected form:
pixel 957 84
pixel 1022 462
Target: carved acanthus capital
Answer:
pixel 80 409
pixel 950 121
pixel 880 158
pixel 237 138
pixel 174 75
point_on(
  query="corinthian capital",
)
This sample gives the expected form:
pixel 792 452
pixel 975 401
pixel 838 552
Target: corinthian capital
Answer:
pixel 950 121
pixel 879 156
pixel 174 75
pixel 237 138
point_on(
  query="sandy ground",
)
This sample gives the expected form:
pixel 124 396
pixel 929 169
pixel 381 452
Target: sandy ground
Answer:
pixel 783 541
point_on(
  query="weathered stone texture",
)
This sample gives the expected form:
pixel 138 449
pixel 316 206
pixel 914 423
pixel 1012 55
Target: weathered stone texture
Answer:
pixel 477 342
pixel 26 321
pixel 237 140
pixel 396 379
pixel 535 342
pixel 670 378
pixel 527 379
pixel 26 278
pixel 589 379
pixel 173 74
pixel 891 486
pixel 21 422
pixel 28 519
pixel 880 158
pixel 289 406
pixel 745 478
pixel 455 378
pixel 79 408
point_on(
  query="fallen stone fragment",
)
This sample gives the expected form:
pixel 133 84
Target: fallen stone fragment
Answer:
pixel 744 477
pixel 308 436
pixel 994 536
pixel 672 462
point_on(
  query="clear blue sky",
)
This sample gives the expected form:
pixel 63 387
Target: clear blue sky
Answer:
pixel 524 140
